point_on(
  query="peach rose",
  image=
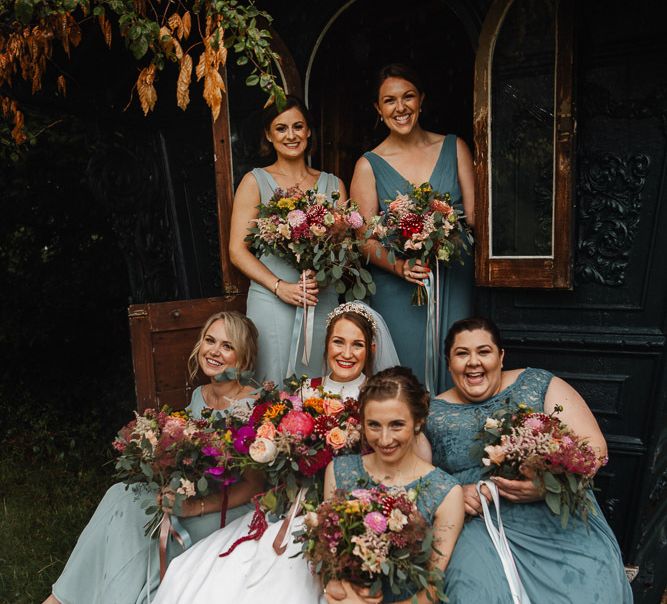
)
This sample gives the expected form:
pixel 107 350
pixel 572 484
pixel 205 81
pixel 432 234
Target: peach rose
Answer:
pixel 333 406
pixel 336 438
pixel 496 455
pixel 267 430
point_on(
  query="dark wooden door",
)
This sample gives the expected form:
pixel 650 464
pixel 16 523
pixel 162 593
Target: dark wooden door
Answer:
pixel 607 336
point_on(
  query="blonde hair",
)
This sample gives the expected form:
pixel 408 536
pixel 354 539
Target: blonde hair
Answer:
pixel 241 332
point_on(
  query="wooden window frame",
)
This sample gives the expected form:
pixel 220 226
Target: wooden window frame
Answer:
pixel 554 272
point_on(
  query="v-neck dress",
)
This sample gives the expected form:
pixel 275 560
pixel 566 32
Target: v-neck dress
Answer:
pixel 580 564
pixel 392 299
pixel 110 562
pixel 273 318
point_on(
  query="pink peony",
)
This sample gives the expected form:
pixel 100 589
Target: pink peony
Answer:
pixel 297 423
pixel 534 422
pixel 355 220
pixel 376 522
pixel 296 218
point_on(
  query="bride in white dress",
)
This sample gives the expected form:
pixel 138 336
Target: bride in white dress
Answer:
pixel 357 344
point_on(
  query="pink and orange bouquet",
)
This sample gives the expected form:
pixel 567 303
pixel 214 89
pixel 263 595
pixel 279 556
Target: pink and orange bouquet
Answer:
pixel 422 225
pixel 521 443
pixel 372 537
pixel 292 435
pixel 312 232
pixel 172 451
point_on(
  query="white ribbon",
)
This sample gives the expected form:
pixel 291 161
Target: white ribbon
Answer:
pixel 304 320
pixel 519 595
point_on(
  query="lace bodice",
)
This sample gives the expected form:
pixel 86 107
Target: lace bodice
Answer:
pixel 451 428
pixel 432 488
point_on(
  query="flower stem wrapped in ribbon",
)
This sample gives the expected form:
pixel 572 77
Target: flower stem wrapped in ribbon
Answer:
pixel 520 443
pixel 372 537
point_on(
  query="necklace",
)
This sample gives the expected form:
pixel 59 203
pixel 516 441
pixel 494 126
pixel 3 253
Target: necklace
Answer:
pixel 297 184
pixel 383 477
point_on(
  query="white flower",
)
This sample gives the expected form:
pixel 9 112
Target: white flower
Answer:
pixel 263 450
pixel 491 424
pixel 187 488
pixel 397 520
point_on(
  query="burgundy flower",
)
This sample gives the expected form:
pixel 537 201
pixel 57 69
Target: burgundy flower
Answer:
pixel 411 224
pixel 309 466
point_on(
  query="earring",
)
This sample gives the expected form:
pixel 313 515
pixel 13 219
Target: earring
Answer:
pixel 381 119
pixel 417 430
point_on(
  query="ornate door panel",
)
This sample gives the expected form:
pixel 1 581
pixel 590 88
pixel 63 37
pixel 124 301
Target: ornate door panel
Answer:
pixel 607 336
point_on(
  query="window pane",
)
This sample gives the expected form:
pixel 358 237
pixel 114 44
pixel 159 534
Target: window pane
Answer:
pixel 522 130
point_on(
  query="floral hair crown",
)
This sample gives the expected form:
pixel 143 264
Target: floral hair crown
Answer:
pixel 355 307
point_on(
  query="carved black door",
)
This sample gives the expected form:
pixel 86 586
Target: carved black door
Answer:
pixel 607 336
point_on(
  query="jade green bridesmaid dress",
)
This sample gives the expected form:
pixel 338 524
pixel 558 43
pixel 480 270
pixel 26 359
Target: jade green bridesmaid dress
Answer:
pixel 392 299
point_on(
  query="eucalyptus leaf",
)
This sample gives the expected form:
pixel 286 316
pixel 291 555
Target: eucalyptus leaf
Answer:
pixel 553 502
pixel 551 484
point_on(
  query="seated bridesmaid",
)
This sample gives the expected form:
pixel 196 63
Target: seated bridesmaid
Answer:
pixel 357 343
pixel 110 560
pixel 575 565
pixel 394 407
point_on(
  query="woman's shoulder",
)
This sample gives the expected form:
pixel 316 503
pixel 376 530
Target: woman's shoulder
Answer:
pixel 197 402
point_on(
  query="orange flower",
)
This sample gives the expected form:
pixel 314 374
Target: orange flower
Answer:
pixel 315 403
pixel 274 411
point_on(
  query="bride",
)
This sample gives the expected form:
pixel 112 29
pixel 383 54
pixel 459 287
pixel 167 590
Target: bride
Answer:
pixel 357 344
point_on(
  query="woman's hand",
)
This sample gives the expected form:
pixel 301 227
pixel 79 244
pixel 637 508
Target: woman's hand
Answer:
pixel 343 592
pixel 292 293
pixel 519 491
pixel 471 500
pixel 189 507
pixel 415 274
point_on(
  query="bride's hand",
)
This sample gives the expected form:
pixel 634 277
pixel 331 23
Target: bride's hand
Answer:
pixel 189 507
pixel 292 293
pixel 415 274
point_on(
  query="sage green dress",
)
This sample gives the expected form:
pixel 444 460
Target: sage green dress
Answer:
pixel 110 562
pixel 392 299
pixel 575 565
pixel 274 319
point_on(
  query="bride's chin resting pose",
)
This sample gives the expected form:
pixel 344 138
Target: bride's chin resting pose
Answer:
pixel 110 562
pixel 578 564
pixel 394 407
pixel 356 342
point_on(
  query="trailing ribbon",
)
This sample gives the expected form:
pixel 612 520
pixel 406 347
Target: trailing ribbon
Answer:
pixel 304 320
pixel 519 595
pixel 432 343
pixel 169 525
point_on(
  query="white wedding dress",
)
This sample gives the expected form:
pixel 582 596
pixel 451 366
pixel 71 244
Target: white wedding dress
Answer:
pixel 253 572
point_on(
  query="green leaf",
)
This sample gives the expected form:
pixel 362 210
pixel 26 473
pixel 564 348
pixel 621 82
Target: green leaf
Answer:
pixel 202 484
pixel 359 291
pixel 24 10
pixel 564 516
pixel 553 502
pixel 371 288
pixel 551 484
pixel 139 48
pixel 340 287
pixel 365 275
pixel 252 80
pixel 572 483
pixel 391 257
pixel 337 271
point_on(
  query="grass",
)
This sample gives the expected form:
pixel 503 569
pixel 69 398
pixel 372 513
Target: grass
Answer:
pixel 54 469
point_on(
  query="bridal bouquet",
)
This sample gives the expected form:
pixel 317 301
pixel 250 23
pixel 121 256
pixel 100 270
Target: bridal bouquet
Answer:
pixel 312 232
pixel 372 537
pixel 422 225
pixel 292 434
pixel 523 443
pixel 170 450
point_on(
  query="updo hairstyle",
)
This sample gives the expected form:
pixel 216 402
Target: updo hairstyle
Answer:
pixel 397 383
pixel 471 324
pixel 366 328
pixel 271 113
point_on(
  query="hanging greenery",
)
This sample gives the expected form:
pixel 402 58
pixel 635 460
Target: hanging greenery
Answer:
pixel 158 33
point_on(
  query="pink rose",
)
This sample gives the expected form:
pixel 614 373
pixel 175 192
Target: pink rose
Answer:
pixel 332 406
pixel 297 423
pixel 267 430
pixel 336 438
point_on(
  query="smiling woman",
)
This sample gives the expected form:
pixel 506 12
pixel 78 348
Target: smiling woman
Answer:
pixel 277 289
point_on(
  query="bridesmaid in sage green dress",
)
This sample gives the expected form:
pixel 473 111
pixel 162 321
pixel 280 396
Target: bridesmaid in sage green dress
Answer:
pixel 408 155
pixel 579 564
pixel 110 562
pixel 276 291
pixel 394 407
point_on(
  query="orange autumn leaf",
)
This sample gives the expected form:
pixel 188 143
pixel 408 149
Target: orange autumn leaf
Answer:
pixel 176 25
pixel 187 24
pixel 145 88
pixel 183 83
pixel 105 26
pixel 62 85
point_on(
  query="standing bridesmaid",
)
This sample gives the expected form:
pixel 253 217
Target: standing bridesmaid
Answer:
pixel 412 155
pixel 276 289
